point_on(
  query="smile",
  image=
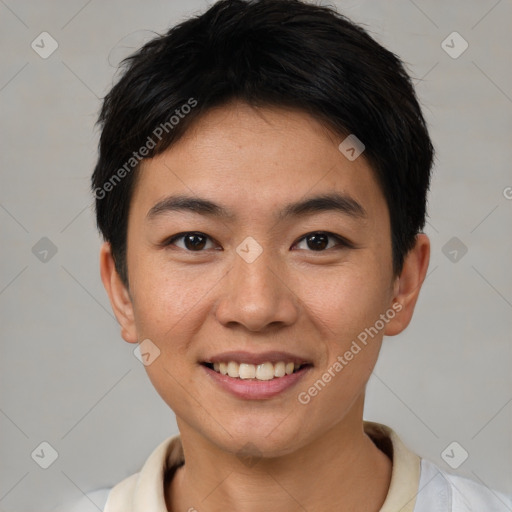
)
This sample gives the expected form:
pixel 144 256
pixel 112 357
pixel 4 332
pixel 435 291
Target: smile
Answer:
pixel 251 376
pixel 264 371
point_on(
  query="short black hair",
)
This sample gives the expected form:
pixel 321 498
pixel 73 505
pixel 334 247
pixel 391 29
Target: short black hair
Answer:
pixel 273 53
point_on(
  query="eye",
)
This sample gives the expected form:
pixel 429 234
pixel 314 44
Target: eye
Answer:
pixel 193 241
pixel 319 241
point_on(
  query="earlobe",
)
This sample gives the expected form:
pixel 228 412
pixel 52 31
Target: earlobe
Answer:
pixel 407 286
pixel 118 294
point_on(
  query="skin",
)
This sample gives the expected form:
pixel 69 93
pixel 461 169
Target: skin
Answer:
pixel 193 305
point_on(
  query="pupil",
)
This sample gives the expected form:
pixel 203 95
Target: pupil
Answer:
pixel 317 241
pixel 190 244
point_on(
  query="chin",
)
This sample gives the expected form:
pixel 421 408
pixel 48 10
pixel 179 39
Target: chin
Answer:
pixel 259 438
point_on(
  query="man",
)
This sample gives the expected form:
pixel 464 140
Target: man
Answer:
pixel 261 189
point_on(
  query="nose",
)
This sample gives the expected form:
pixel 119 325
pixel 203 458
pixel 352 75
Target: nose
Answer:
pixel 257 296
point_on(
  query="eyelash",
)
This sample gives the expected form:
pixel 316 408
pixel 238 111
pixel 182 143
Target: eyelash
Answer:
pixel 340 240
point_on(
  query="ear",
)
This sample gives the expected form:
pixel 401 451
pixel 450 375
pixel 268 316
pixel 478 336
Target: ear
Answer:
pixel 118 294
pixel 407 286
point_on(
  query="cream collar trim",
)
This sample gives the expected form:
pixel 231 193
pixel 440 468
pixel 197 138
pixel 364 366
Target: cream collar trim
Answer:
pixel 144 491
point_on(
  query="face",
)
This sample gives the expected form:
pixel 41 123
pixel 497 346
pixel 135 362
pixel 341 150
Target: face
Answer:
pixel 280 263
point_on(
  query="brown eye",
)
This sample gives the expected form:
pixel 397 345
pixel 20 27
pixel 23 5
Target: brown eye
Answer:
pixel 192 241
pixel 319 241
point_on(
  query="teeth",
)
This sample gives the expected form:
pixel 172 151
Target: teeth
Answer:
pixel 247 371
pixel 279 369
pixel 264 371
pixel 233 369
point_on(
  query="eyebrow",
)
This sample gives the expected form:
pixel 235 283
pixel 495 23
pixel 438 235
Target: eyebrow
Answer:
pixel 334 201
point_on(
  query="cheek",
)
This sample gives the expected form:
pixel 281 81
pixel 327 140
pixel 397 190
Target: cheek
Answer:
pixel 345 300
pixel 167 298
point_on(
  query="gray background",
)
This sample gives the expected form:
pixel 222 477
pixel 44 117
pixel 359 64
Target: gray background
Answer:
pixel 69 379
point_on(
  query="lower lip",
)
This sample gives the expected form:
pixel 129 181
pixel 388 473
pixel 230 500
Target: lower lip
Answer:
pixel 252 389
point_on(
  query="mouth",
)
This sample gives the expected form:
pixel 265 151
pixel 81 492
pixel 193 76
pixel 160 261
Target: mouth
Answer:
pixel 256 376
pixel 264 371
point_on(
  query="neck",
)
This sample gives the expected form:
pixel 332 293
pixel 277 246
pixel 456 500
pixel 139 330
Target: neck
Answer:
pixel 341 470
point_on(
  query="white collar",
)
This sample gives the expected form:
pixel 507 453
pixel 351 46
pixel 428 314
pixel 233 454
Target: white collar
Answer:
pixel 144 491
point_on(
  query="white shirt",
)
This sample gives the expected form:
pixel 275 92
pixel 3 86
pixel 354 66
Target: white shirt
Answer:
pixel 417 485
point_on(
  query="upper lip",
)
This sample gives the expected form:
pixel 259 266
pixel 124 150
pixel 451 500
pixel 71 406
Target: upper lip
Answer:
pixel 260 358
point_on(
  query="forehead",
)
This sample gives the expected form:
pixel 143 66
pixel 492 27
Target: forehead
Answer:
pixel 255 160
